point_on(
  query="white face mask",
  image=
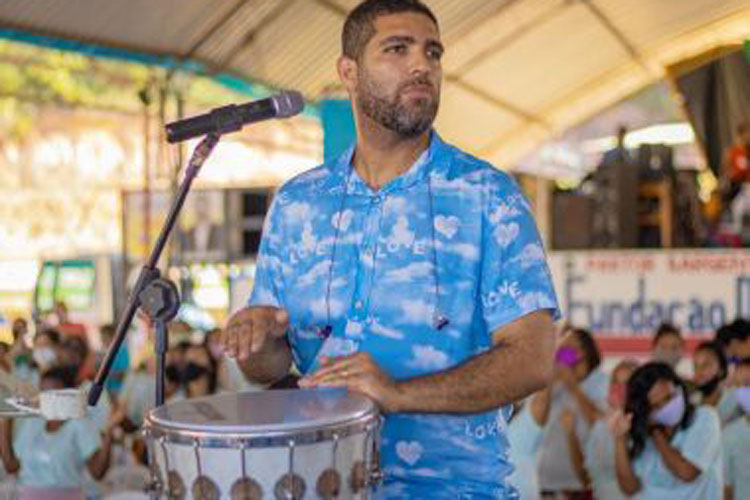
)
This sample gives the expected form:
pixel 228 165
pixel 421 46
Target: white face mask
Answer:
pixel 671 414
pixel 44 356
pixel 742 395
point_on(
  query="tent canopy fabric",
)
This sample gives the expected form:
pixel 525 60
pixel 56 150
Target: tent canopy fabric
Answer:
pixel 517 72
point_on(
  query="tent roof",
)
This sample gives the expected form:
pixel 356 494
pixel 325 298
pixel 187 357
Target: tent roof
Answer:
pixel 516 71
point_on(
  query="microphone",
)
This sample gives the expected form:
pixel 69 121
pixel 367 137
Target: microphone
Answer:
pixel 233 117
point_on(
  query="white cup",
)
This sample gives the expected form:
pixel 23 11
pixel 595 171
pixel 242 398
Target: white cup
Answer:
pixel 58 404
pixel 62 404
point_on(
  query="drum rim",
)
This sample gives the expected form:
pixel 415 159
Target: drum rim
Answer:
pixel 370 409
pixel 262 438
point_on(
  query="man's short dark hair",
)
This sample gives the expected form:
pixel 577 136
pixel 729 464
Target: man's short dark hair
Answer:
pixel 664 330
pixel 359 26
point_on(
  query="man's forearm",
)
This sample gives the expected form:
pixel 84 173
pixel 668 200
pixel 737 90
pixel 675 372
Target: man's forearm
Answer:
pixel 508 372
pixel 270 364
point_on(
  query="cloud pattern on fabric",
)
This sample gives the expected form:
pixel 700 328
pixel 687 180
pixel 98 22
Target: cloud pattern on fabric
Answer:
pixel 491 268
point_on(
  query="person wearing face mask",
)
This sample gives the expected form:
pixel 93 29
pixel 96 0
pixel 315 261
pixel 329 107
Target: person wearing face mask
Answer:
pixel 594 459
pixel 736 440
pixel 580 388
pixel 44 354
pixel 525 435
pixel 52 457
pixel 668 345
pixel 664 446
pixel 710 369
pixel 120 365
pixel 734 337
pixel 199 373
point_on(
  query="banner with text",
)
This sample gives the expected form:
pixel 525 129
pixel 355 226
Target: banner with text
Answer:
pixel 623 296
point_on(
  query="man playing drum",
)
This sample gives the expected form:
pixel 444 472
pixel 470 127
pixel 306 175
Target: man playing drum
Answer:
pixel 405 270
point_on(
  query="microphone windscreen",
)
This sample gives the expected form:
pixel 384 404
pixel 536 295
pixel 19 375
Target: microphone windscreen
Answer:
pixel 288 103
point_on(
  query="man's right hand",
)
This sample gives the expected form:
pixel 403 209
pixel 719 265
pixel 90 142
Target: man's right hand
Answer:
pixel 250 329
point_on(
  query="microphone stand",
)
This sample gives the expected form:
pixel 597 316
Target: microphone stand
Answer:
pixel 156 296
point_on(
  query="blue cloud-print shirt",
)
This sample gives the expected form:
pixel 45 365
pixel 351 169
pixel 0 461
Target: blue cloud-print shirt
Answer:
pixel 380 296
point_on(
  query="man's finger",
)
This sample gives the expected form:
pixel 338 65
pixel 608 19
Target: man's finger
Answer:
pixel 332 366
pixel 258 340
pixel 281 322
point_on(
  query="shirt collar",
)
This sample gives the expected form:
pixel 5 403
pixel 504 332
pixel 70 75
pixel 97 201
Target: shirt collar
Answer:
pixel 435 154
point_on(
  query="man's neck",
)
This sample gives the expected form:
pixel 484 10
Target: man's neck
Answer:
pixel 382 155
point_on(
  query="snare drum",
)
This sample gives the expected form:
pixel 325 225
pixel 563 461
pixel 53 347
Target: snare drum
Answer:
pixel 284 444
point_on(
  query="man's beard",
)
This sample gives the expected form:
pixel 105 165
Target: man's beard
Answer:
pixel 393 114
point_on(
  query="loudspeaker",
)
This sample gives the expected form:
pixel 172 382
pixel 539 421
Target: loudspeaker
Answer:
pixel 615 220
pixel 572 215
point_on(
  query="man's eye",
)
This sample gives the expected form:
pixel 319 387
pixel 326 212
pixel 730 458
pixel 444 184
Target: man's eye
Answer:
pixel 436 54
pixel 396 49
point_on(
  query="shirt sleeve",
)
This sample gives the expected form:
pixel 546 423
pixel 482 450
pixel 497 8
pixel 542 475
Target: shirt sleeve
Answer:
pixel 703 440
pixel 87 440
pixel 515 277
pixel 267 285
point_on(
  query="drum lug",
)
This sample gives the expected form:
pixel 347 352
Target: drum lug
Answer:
pixel 153 488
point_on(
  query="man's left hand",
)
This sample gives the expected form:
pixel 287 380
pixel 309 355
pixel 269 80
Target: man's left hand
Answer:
pixel 360 373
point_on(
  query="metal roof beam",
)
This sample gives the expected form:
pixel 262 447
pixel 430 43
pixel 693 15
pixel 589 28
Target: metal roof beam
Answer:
pixel 215 28
pixel 511 37
pixel 251 35
pixel 616 33
pixel 497 102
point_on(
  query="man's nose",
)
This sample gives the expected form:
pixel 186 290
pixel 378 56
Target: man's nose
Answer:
pixel 420 64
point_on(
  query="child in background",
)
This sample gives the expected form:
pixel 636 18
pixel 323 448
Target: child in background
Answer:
pixel 665 448
pixel 710 369
pixel 51 456
pixel 736 440
pixel 525 436
pixel 581 387
pixel 668 345
pixel 598 452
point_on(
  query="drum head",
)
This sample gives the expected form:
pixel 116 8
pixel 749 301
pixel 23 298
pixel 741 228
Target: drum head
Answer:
pixel 264 412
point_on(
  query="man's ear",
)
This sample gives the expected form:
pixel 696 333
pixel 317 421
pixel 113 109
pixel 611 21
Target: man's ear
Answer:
pixel 347 69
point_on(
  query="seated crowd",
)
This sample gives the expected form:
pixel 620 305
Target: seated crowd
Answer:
pixel 640 429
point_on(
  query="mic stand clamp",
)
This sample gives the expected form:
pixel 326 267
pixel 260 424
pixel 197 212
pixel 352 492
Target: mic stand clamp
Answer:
pixel 160 301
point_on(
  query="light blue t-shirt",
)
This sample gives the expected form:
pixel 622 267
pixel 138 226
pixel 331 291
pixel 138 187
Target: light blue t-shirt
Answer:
pixel 56 459
pixel 524 435
pixel 736 441
pixel 451 209
pixel 728 407
pixel 555 467
pixel 599 460
pixel 700 444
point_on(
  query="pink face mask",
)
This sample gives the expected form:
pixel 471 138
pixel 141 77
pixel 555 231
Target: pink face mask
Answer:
pixel 567 356
pixel 616 397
